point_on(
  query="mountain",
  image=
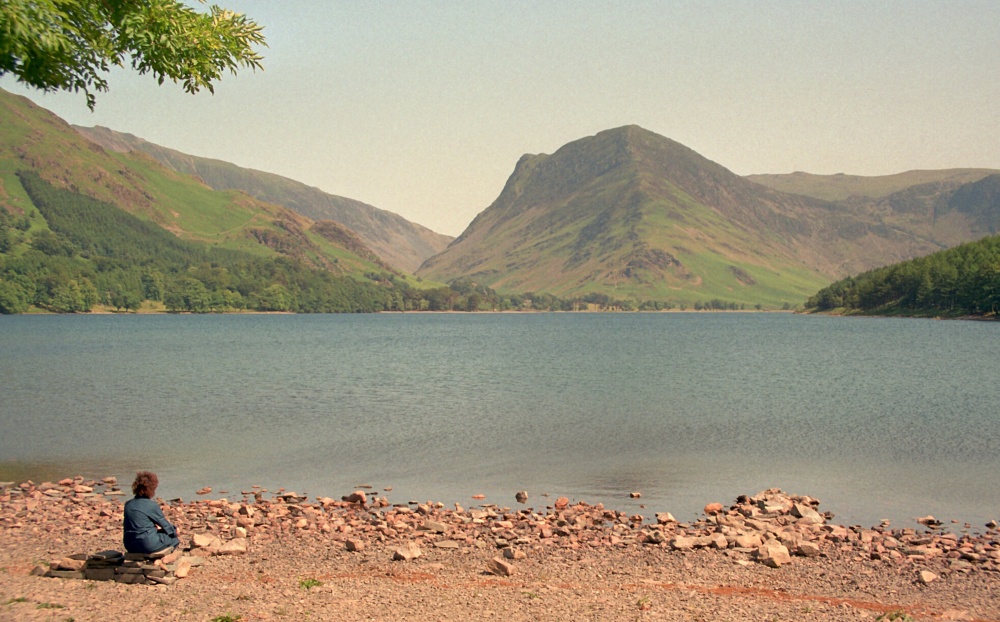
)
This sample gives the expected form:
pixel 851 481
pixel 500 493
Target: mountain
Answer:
pixel 399 242
pixel 631 214
pixel 80 222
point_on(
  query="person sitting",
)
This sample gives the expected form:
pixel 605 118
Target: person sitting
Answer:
pixel 146 529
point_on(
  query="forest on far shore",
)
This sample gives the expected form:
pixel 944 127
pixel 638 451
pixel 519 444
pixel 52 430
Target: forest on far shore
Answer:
pixel 964 280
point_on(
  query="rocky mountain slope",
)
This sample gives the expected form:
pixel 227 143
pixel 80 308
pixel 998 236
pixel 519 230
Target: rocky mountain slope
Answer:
pixel 632 214
pixel 399 242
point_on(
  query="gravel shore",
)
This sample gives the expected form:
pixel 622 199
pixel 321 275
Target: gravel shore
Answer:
pixel 562 561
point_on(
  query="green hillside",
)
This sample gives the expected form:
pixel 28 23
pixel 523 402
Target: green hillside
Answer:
pixel 106 227
pixel 631 214
pixel 397 241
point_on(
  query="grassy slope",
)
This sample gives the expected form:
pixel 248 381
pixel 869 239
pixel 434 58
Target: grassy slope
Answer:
pixel 396 240
pixel 31 137
pixel 586 221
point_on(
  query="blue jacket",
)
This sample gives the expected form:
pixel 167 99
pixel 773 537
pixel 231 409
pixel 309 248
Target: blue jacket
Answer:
pixel 142 516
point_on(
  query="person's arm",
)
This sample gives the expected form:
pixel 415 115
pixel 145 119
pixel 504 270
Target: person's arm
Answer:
pixel 156 515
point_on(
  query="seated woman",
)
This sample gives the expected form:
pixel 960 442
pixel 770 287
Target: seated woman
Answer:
pixel 146 529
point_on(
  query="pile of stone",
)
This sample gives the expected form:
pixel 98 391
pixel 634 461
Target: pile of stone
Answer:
pixel 131 568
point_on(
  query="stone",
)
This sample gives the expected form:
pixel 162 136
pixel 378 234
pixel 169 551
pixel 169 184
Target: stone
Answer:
pixel 510 553
pixel 635 495
pixel 521 496
pixel 205 541
pixel 99 574
pixel 929 521
pixel 65 574
pixel 358 496
pixel 446 544
pixel 926 576
pixel 682 543
pixel 807 514
pixel 665 518
pixel 407 552
pixel 773 554
pixel 204 491
pixel 237 546
pixel 713 508
pixel 354 545
pixel 136 578
pixel 182 569
pixel 39 571
pixel 808 549
pixel 499 567
pixel 749 541
pixel 434 526
pixel 561 503
pixel 68 563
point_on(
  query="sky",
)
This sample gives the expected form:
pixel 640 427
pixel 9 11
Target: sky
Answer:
pixel 422 108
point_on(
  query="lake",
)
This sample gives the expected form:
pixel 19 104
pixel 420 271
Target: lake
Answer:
pixel 878 418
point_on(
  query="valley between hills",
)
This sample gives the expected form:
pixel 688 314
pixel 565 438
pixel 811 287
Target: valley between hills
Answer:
pixel 623 219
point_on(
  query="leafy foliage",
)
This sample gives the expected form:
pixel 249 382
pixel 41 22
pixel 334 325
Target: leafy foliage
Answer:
pixel 69 45
pixel 960 280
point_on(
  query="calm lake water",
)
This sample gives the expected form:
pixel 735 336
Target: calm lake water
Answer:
pixel 878 418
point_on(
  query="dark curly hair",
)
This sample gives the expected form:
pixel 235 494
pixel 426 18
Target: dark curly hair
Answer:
pixel 145 484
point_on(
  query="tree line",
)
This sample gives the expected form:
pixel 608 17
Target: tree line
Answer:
pixel 964 280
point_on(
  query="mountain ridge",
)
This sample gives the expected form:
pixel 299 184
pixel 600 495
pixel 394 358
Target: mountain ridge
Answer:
pixel 397 241
pixel 627 211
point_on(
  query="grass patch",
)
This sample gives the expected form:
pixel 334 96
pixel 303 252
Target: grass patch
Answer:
pixel 308 584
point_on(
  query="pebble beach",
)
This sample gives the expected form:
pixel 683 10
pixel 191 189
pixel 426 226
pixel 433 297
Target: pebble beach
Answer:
pixel 261 555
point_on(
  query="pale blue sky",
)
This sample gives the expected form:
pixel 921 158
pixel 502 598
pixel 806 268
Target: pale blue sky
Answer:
pixel 422 108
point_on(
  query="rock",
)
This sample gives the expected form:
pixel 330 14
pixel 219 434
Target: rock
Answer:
pixel 635 495
pixel 929 521
pixel 236 546
pixel 354 545
pixel 521 496
pixel 407 552
pixel 500 567
pixel 682 543
pixel 204 491
pixel 99 574
pixel 446 544
pixel 561 503
pixel 205 541
pixel 808 549
pixel 807 514
pixel 510 553
pixel 926 577
pixel 434 526
pixel 713 508
pixel 773 554
pixel 479 497
pixel 358 496
pixel 182 569
pixel 39 571
pixel 665 518
pixel 749 541
pixel 68 563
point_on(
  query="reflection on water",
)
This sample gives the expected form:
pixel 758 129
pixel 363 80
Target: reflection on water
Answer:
pixel 876 418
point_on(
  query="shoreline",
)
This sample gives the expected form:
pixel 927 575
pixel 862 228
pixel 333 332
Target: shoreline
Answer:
pixel 767 555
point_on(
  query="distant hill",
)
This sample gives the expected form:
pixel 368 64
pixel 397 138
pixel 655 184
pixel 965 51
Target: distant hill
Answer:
pixel 840 187
pixel 629 213
pixel 399 242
